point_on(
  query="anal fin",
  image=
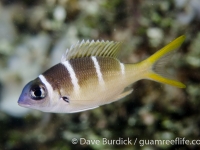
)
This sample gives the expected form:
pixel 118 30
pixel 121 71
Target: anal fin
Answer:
pixel 82 107
pixel 120 96
pixel 80 110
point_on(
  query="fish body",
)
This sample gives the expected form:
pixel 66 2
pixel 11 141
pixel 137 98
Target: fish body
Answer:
pixel 90 75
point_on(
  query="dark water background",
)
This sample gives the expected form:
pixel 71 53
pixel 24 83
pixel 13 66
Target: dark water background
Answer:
pixel 33 36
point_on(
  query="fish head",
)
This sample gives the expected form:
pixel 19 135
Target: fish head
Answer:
pixel 34 95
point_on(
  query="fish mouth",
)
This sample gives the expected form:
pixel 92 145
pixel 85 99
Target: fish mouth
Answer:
pixel 24 105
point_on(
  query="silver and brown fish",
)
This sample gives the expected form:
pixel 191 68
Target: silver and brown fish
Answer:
pixel 90 75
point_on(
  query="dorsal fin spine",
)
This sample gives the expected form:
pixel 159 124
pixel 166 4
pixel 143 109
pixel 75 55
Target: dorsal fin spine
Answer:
pixel 96 52
pixel 103 51
pixel 91 48
pixel 117 46
pixel 110 52
pixel 81 43
pixel 85 48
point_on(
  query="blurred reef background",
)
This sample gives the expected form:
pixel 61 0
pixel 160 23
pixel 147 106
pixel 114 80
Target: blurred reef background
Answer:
pixel 34 35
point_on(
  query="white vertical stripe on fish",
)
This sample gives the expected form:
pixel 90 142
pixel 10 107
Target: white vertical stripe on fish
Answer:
pixel 48 86
pixel 98 70
pixel 122 68
pixel 72 75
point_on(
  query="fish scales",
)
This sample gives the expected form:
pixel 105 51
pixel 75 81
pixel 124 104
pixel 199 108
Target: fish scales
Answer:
pixel 58 76
pixel 85 70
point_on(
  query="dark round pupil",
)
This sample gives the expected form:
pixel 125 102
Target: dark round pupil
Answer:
pixel 38 93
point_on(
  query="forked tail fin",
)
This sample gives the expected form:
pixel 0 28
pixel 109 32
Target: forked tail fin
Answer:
pixel 157 60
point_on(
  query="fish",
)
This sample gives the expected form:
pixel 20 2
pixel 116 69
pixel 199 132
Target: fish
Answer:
pixel 90 75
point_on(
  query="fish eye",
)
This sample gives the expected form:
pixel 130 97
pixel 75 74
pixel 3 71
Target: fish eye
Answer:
pixel 38 92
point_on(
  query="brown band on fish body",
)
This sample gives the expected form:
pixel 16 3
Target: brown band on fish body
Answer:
pixel 109 67
pixel 59 77
pixel 84 70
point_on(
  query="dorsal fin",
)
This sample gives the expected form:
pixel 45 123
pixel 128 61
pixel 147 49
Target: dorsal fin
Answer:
pixel 92 48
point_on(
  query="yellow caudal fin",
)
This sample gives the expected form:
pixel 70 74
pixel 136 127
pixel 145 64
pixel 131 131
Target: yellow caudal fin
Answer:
pixel 156 63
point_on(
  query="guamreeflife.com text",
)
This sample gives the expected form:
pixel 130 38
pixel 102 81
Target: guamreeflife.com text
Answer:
pixel 128 141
